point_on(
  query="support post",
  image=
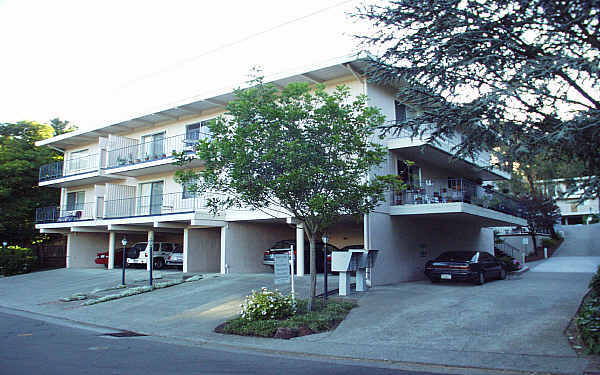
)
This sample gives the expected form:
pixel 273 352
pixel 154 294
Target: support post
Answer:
pixel 112 239
pixel 150 258
pixel 224 266
pixel 300 249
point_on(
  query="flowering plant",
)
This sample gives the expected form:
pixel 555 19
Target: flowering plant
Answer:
pixel 265 304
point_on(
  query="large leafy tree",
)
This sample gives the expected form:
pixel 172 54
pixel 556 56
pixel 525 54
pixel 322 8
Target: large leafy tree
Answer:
pixel 20 194
pixel 518 75
pixel 301 151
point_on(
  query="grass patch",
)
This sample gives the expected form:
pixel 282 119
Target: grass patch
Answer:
pixel 322 318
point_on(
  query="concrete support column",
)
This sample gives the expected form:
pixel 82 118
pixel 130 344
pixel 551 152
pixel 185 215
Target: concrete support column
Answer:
pixel 186 249
pixel 366 230
pixel 224 266
pixel 150 242
pixel 69 250
pixel 300 249
pixel 112 239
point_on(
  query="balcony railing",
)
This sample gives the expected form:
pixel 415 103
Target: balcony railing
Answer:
pixel 72 212
pixel 151 205
pixel 69 167
pixel 51 171
pixel 435 191
pixel 153 150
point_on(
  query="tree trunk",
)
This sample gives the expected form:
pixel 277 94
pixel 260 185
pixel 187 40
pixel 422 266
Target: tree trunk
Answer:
pixel 533 242
pixel 313 267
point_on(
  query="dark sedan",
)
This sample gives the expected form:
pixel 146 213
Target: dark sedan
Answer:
pixel 473 266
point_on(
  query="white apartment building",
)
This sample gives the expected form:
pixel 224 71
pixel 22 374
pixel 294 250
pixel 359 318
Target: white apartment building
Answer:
pixel 572 211
pixel 118 180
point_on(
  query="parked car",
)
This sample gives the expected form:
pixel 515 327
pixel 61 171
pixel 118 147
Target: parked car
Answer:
pixel 176 257
pixel 102 258
pixel 474 266
pixel 280 247
pixel 160 253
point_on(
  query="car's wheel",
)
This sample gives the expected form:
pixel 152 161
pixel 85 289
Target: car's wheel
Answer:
pixel 502 274
pixel 106 265
pixel 159 263
pixel 480 279
pixel 435 280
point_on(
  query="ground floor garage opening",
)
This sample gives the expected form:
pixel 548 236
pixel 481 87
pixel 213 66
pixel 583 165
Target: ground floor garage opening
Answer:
pixel 407 243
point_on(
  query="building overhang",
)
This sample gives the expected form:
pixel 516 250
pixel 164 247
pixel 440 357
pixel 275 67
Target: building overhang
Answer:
pixel 331 70
pixel 459 167
pixel 458 211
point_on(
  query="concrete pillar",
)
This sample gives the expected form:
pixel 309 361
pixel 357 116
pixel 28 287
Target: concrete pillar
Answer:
pixel 366 229
pixel 112 238
pixel 300 249
pixel 186 249
pixel 150 243
pixel 344 283
pixel 69 249
pixel 224 267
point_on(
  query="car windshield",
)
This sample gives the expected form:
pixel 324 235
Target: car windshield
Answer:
pixel 456 256
pixel 141 246
pixel 285 244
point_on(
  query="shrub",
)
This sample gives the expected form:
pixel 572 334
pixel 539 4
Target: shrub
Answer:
pixel 15 260
pixel 266 304
pixel 595 282
pixel 510 263
pixel 588 325
pixel 549 242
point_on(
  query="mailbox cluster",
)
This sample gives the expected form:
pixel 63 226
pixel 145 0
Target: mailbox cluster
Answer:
pixel 357 260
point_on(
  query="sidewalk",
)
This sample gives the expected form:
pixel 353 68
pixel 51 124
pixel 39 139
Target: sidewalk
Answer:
pixel 456 326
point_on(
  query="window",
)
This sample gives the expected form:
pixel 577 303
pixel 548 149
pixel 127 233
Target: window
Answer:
pixel 165 246
pixel 199 130
pixel 153 145
pixel 77 160
pixel 188 191
pixel 75 200
pixel 410 174
pixel 400 111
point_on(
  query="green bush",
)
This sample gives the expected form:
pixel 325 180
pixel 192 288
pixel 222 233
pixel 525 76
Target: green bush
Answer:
pixel 15 260
pixel 266 304
pixel 595 282
pixel 588 325
pixel 322 318
pixel 510 263
pixel 549 242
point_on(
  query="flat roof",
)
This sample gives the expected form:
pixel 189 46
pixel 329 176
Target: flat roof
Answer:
pixel 324 71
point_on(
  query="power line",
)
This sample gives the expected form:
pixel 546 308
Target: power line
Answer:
pixel 230 44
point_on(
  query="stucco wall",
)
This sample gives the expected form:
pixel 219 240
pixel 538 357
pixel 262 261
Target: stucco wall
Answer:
pixel 83 247
pixel 202 250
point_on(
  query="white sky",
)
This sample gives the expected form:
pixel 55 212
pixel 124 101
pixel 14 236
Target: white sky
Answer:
pixel 94 62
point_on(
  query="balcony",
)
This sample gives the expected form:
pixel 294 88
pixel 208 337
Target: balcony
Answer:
pixel 440 196
pixel 153 205
pixel 58 214
pixel 154 156
pixel 441 154
pixel 72 172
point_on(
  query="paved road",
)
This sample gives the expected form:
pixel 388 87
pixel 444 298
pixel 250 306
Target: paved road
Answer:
pixel 580 252
pixel 29 346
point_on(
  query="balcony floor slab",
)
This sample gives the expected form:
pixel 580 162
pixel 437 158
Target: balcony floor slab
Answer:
pixel 459 211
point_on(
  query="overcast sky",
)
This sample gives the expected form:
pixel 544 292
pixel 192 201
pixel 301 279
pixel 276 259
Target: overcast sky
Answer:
pixel 94 62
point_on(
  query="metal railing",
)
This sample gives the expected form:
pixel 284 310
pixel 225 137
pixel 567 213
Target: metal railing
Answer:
pixel 151 205
pixel 51 171
pixel 69 167
pixel 81 164
pixel 458 190
pixel 73 212
pixel 153 150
